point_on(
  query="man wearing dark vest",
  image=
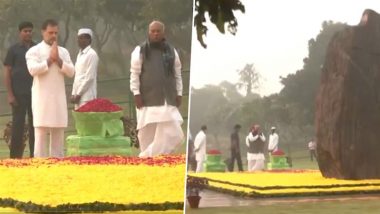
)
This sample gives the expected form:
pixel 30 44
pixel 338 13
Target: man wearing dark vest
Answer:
pixel 18 82
pixel 156 84
pixel 255 155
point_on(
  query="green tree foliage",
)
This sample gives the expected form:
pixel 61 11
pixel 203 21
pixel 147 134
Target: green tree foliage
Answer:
pixel 291 110
pixel 230 92
pixel 204 102
pixel 220 12
pixel 249 79
pixel 301 87
pixel 118 25
pixel 212 106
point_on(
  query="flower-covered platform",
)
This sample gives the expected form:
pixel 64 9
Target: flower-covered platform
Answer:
pixel 278 160
pixel 78 184
pixel 214 162
pixel 99 129
pixel 98 146
pixel 285 183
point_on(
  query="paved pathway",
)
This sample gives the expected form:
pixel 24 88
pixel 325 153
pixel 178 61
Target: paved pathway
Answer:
pixel 215 199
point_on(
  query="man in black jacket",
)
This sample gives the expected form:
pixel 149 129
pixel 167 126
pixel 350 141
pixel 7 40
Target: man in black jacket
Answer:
pixel 235 149
pixel 18 83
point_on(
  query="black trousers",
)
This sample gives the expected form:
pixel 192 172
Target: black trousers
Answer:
pixel 235 155
pixel 19 113
pixel 313 154
pixel 191 162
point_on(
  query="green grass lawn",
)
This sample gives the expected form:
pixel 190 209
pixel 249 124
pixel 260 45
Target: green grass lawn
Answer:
pixel 300 160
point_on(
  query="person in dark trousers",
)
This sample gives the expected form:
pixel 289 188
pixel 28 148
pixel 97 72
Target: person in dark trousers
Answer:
pixel 235 149
pixel 18 83
pixel 191 161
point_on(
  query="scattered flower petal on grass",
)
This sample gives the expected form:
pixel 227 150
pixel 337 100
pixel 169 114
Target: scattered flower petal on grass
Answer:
pixel 106 160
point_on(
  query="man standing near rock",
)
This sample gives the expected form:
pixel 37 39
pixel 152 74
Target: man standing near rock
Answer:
pixel 86 68
pixel 312 145
pixel 18 82
pixel 49 64
pixel 156 83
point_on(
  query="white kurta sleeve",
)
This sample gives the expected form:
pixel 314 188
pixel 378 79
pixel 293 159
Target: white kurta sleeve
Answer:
pixel 203 142
pixel 251 137
pixel 90 74
pixel 199 141
pixel 136 64
pixel 275 140
pixel 178 75
pixel 247 141
pixel 75 87
pixel 262 137
pixel 35 64
pixel 67 65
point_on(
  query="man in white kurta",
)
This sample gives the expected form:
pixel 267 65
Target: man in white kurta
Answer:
pixel 49 64
pixel 156 83
pixel 200 149
pixel 86 67
pixel 255 155
pixel 273 141
pixel 312 145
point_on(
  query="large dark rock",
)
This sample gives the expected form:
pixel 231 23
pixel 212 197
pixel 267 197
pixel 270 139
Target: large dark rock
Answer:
pixel 348 103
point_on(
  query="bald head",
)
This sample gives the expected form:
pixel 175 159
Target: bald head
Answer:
pixel 156 31
pixel 157 24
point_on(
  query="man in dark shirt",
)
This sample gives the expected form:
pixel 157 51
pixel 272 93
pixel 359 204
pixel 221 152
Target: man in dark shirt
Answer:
pixel 235 149
pixel 18 83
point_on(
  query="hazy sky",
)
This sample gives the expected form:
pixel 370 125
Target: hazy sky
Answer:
pixel 272 34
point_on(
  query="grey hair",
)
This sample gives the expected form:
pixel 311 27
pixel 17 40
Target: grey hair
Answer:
pixel 154 22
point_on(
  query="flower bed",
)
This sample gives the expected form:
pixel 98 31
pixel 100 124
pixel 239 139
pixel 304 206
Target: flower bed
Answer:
pixel 93 184
pixel 214 152
pixel 99 105
pixel 99 117
pixel 285 183
pixel 279 152
pixel 278 160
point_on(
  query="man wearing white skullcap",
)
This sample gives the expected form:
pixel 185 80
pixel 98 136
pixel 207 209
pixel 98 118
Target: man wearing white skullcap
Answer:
pixel 86 67
pixel 85 31
pixel 273 141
